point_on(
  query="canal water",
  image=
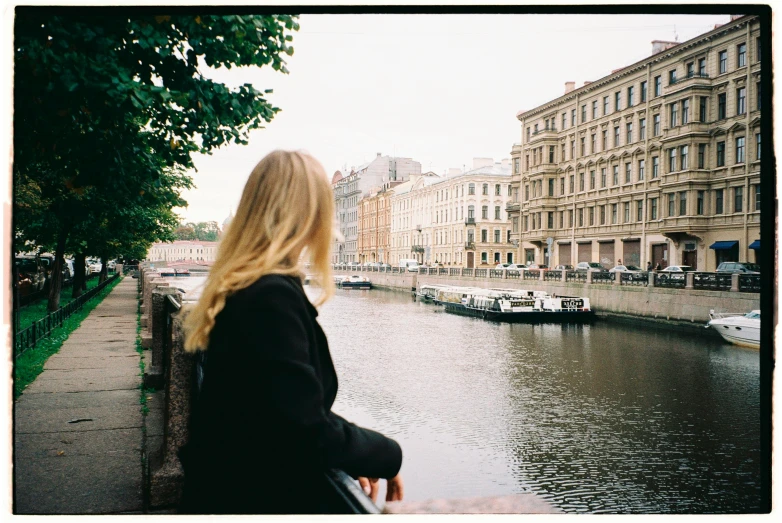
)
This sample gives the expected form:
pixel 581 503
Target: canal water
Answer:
pixel 601 418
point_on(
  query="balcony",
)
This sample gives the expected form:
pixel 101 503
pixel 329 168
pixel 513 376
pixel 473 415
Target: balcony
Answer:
pixel 418 228
pixel 418 248
pixel 543 134
pixel 469 246
pixel 691 80
pixel 469 221
pixel 512 207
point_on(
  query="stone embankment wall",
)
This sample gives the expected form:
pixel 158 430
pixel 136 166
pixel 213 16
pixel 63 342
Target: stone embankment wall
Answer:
pixel 675 306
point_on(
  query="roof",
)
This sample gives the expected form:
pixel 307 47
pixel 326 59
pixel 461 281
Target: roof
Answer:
pixel 492 170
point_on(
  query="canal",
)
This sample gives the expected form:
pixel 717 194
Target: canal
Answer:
pixel 601 418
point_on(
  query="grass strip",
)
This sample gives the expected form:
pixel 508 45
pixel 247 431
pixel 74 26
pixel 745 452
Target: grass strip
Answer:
pixel 33 312
pixel 30 364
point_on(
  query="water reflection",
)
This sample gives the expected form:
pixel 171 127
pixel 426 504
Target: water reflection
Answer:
pixel 596 418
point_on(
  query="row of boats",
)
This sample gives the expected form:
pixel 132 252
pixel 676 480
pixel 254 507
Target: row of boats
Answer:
pixel 509 305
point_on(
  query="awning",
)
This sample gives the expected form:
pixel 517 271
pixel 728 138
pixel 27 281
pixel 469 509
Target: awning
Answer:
pixel 755 245
pixel 717 246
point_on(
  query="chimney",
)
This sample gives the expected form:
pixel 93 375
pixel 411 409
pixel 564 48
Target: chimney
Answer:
pixel 587 82
pixel 379 155
pixel 735 17
pixel 659 46
pixel 569 86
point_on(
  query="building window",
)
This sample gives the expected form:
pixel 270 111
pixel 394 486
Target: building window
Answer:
pixel 602 215
pixel 757 197
pixel 718 207
pixel 616 136
pixel 655 167
pixel 672 77
pixel 564 121
pixel 656 125
pixel 627 212
pixel 591 180
pixel 605 140
pixel 702 67
pixel 515 166
pixel 738 199
pixel 594 109
pixel 742 55
pixel 572 149
pixel 685 149
pixel 550 154
pixel 485 235
pixel 485 212
pixel 551 186
pixel 581 217
pixel 563 152
pixel 628 172
pixel 583 113
pixel 740 149
pixel 723 61
pixel 685 111
pixel 570 218
pixel 591 216
pixel 690 69
pixel 603 177
pixel 594 144
pixel 642 129
pixel 672 159
pixel 722 103
pixel 701 156
pixel 699 206
pixel 630 93
pixel 497 190
pixel 757 146
pixel 583 146
pixel 741 100
pixel 561 219
pixel 510 190
pixel 720 154
pixel 617 101
pixel 641 169
pixel 485 189
pixel 497 212
pixel 581 182
pixel 549 221
pixel 605 105
pixel 497 233
pixel 614 209
pixel 758 96
pixel 653 208
pixel 674 114
pixel 643 91
pixel 572 183
pixel 658 85
pixel 702 108
pixel 471 189
pixel 629 132
pixel 484 258
pixel 671 204
pixel 683 203
pixel 616 175
pixel 562 187
pixel 639 208
pixel 573 118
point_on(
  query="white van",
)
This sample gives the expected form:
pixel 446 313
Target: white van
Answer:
pixel 408 263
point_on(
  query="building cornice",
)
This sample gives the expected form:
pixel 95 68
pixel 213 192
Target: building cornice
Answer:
pixel 639 66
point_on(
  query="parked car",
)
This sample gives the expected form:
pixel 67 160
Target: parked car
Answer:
pixel 385 266
pixel 501 266
pixel 738 267
pixel 538 266
pixel 95 267
pixel 590 267
pixel 636 273
pixel 563 268
pixel 32 275
pixel 517 267
pixel 675 272
pixel 408 263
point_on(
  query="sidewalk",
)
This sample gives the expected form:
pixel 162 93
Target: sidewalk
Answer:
pixel 77 427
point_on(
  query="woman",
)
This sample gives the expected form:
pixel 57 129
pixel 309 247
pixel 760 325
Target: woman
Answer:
pixel 262 433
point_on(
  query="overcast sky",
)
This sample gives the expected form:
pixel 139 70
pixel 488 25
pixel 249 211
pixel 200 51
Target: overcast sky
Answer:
pixel 440 89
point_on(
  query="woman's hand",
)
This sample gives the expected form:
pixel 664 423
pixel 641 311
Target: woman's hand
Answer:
pixel 394 488
pixel 370 487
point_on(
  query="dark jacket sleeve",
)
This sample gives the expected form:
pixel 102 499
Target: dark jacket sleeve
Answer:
pixel 274 325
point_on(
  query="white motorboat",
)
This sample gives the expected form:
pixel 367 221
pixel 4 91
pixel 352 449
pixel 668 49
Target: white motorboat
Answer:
pixel 739 329
pixel 354 281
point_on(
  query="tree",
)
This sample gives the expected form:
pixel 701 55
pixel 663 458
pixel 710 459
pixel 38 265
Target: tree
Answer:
pixel 105 103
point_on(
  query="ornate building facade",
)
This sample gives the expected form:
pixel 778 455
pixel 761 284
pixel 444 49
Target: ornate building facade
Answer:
pixel 658 162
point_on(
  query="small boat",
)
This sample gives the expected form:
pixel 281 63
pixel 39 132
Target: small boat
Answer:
pixel 171 272
pixel 354 282
pixel 739 329
pixel 512 305
pixel 427 293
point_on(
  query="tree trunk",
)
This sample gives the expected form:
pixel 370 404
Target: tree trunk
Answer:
pixel 104 270
pixel 55 282
pixel 79 278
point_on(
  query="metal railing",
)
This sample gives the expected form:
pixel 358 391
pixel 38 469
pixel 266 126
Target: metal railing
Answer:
pixel 710 280
pixel 676 281
pixel 513 274
pixel 532 274
pixel 469 221
pixel 633 278
pixel 469 246
pixel 29 337
pixel 496 273
pixel 480 273
pixel 603 277
pixel 552 275
pixel 455 272
pixel 576 276
pixel 749 283
pixel 467 272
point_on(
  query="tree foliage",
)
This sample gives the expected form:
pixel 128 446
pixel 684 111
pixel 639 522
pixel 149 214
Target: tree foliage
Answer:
pixel 108 110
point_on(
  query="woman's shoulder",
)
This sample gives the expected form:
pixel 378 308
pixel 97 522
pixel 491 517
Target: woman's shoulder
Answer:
pixel 272 286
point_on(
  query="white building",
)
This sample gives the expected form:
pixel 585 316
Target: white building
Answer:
pixel 183 251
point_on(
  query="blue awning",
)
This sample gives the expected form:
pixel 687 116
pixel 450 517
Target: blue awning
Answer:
pixel 722 245
pixel 755 245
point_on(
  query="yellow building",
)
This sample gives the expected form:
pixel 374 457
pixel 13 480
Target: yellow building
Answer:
pixel 657 162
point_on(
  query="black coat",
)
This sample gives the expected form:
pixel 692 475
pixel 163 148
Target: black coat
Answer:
pixel 262 432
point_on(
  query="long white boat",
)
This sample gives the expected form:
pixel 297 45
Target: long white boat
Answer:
pixel 353 281
pixel 739 329
pixel 513 305
pixel 427 293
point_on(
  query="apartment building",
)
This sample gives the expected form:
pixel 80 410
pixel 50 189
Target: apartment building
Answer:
pixel 350 188
pixel 459 220
pixel 374 224
pixel 657 162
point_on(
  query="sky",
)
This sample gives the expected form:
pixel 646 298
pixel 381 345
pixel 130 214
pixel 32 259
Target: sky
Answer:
pixel 441 89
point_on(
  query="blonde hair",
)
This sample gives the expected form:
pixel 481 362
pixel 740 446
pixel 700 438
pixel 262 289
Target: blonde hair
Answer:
pixel 287 208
